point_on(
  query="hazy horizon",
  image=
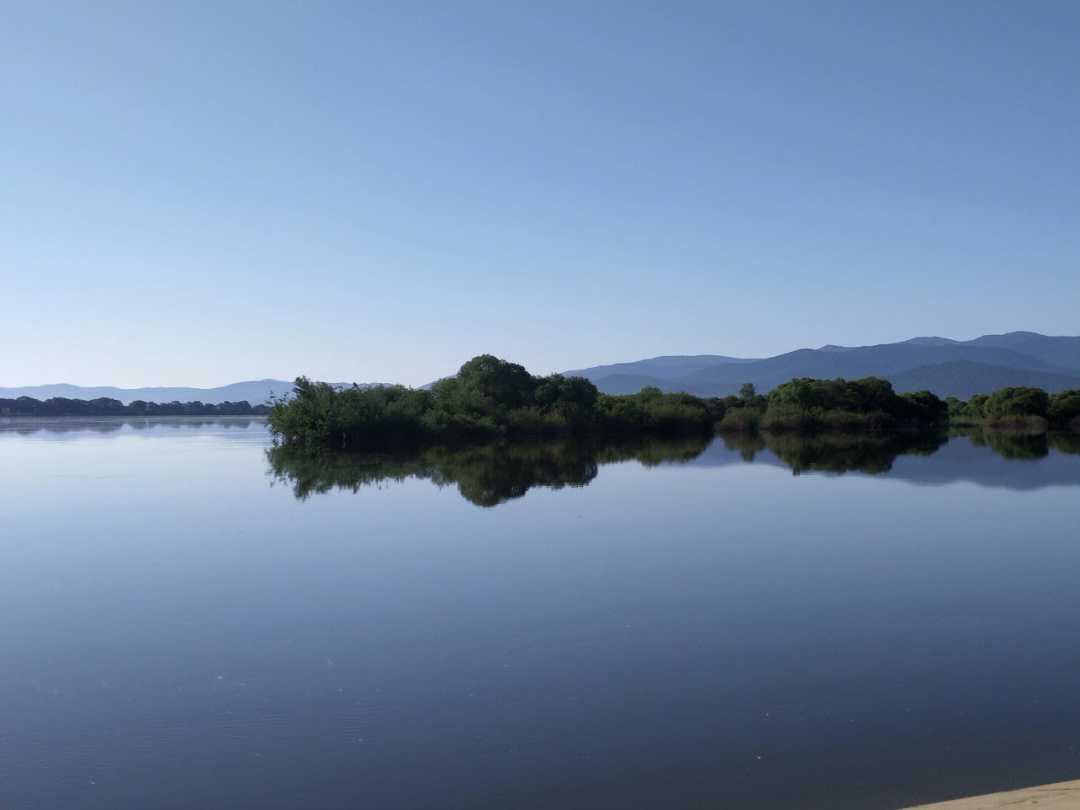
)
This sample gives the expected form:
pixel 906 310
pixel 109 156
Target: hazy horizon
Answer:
pixel 603 363
pixel 197 194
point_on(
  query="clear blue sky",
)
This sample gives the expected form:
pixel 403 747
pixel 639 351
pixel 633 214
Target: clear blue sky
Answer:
pixel 200 193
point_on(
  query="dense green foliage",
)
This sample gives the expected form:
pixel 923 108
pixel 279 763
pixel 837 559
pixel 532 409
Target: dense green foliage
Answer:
pixel 61 406
pixel 487 397
pixel 1019 406
pixel 806 404
pixel 1064 408
pixel 490 397
pixel 1017 401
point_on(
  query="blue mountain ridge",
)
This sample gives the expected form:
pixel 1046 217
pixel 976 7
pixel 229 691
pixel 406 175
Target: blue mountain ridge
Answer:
pixel 254 392
pixel 943 366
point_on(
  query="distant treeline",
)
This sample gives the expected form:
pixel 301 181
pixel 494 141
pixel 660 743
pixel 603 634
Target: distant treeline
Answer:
pixel 1019 405
pixel 492 397
pixel 870 402
pixel 489 397
pixel 103 406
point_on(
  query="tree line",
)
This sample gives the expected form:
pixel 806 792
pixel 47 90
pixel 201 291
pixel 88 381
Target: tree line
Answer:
pixel 1020 405
pixel 490 397
pixel 104 406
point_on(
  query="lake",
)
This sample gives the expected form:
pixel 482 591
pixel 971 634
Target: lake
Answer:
pixel 191 622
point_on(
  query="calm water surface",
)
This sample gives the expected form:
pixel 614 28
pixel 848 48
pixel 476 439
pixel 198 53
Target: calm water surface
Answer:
pixel 191 623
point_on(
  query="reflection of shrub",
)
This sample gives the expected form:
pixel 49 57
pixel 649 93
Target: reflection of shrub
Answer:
pixel 486 473
pixel 842 452
pixel 748 444
pixel 1016 444
pixel 491 472
pixel 1066 442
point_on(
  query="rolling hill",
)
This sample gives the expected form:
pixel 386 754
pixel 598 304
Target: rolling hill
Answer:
pixel 946 367
pixel 254 392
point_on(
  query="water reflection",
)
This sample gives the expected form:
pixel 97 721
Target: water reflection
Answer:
pixel 1065 442
pixel 486 474
pixel 24 426
pixel 716 631
pixel 1027 444
pixel 491 473
pixel 836 453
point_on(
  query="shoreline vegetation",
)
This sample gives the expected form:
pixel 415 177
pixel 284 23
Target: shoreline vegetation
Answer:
pixel 493 398
pixel 104 406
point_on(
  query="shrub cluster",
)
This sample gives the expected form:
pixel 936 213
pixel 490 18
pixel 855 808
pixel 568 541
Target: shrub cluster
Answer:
pixel 487 397
pixel 868 403
pixel 1021 406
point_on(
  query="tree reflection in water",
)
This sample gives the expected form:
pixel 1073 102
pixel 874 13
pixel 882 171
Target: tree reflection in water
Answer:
pixel 485 473
pixel 490 473
pixel 837 452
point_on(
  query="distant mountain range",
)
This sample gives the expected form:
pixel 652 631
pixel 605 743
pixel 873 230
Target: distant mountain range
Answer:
pixel 946 367
pixel 255 392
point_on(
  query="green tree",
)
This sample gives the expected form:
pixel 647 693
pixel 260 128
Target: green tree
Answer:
pixel 1020 400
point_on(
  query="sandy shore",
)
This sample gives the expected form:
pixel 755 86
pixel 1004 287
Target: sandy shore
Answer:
pixel 1047 797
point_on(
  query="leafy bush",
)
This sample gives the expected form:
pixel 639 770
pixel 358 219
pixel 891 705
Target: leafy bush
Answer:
pixel 868 403
pixel 1064 407
pixel 745 420
pixel 1015 401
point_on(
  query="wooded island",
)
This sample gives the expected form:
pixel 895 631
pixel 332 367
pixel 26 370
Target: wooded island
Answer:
pixel 492 397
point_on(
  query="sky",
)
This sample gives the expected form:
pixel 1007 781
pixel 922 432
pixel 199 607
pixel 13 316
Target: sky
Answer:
pixel 200 193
